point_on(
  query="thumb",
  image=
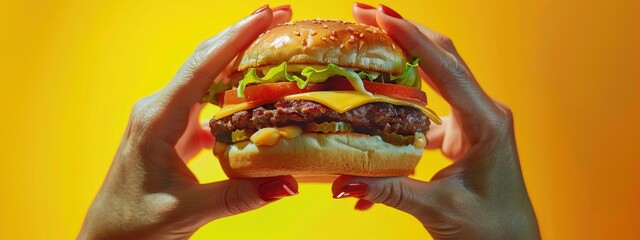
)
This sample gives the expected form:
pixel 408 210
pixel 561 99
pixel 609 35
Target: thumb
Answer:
pixel 234 196
pixel 402 193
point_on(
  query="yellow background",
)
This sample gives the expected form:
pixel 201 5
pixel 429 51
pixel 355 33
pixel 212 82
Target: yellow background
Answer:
pixel 569 69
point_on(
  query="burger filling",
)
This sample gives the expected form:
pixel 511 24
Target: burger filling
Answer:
pixel 305 74
pixel 397 125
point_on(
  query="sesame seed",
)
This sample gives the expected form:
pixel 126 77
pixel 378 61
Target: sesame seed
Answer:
pixel 261 34
pixel 341 45
pixel 268 31
pixel 334 33
pixel 350 29
pixel 361 34
pixel 394 46
pixel 296 33
pixel 313 32
pixel 333 38
pixel 325 26
pixel 324 38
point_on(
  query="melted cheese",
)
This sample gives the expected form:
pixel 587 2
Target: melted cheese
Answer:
pixel 339 101
pixel 270 136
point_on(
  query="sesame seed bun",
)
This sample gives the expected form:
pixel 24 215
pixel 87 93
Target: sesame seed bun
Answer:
pixel 313 154
pixel 320 42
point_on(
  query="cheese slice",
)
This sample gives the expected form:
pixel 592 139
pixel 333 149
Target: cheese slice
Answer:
pixel 339 101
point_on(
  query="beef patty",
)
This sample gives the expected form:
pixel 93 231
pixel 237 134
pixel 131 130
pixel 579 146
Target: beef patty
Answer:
pixel 371 117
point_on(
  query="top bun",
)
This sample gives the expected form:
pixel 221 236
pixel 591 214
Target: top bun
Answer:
pixel 320 42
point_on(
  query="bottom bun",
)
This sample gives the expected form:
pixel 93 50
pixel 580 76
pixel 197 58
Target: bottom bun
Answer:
pixel 313 154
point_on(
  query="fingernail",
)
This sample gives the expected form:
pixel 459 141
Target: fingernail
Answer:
pixel 363 6
pixel 277 189
pixel 282 8
pixel 261 9
pixel 389 12
pixel 363 204
pixel 356 189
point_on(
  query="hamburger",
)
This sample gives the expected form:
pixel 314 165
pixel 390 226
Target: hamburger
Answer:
pixel 321 97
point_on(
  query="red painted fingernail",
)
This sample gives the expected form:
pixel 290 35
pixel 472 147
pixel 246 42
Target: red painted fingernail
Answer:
pixel 277 189
pixel 282 8
pixel 363 6
pixel 363 204
pixel 356 189
pixel 261 9
pixel 389 12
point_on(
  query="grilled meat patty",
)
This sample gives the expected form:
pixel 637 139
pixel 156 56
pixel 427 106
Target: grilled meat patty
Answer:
pixel 371 117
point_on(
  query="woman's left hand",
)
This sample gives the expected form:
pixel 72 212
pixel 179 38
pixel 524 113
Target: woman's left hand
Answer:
pixel 149 192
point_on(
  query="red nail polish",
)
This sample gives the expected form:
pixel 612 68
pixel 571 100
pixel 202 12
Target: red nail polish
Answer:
pixel 261 9
pixel 363 204
pixel 389 12
pixel 363 6
pixel 277 189
pixel 282 8
pixel 356 189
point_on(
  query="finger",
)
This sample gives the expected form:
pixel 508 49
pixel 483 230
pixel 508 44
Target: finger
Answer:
pixel 195 76
pixel 211 57
pixel 208 140
pixel 281 14
pixel 436 133
pixel 364 14
pixel 454 143
pixel 441 40
pixel 402 193
pixel 450 76
pixel 212 201
pixel 195 137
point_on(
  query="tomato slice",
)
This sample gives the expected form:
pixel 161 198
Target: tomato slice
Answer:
pixel 267 92
pixel 270 92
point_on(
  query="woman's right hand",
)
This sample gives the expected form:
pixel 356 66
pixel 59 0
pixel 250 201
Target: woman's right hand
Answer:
pixel 482 194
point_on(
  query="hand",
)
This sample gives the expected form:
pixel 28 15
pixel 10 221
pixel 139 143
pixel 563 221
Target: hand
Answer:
pixel 149 192
pixel 482 194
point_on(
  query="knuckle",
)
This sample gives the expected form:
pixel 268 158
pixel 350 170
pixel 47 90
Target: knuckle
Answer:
pixel 501 121
pixel 143 113
pixel 508 112
pixel 204 45
pixel 393 194
pixel 137 119
pixel 143 108
pixel 445 42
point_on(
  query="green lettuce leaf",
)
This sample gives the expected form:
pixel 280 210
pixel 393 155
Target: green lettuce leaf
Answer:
pixel 314 75
pixel 310 74
pixel 409 77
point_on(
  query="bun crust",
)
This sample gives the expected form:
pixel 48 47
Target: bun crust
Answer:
pixel 313 154
pixel 320 42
